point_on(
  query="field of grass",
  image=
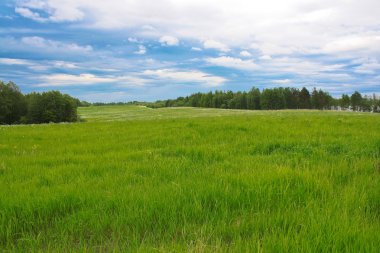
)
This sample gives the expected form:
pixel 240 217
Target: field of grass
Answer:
pixel 192 180
pixel 122 113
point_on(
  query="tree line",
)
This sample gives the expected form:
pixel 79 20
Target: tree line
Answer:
pixel 275 99
pixel 34 108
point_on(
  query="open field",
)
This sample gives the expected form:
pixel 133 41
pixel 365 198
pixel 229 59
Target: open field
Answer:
pixel 193 180
pixel 122 113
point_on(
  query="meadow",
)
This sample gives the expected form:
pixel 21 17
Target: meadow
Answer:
pixel 134 179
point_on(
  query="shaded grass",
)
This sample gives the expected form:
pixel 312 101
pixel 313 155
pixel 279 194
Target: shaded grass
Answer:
pixel 269 181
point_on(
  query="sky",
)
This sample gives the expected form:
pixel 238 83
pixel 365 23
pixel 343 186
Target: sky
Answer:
pixel 145 50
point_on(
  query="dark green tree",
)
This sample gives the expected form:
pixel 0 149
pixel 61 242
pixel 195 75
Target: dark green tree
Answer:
pixel 12 104
pixel 253 99
pixel 304 99
pixel 345 101
pixel 356 100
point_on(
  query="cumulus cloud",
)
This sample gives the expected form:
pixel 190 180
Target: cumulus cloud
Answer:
pixel 64 80
pixel 282 81
pixel 169 41
pixel 142 50
pixel 190 76
pixel 310 39
pixel 265 57
pixel 370 66
pixel 133 40
pixel 12 61
pixel 65 65
pixel 27 13
pixel 69 80
pixel 303 67
pixel 196 49
pixel 52 45
pixel 231 62
pixel 213 44
pixel 57 11
pixel 353 43
pixel 226 24
pixel 245 53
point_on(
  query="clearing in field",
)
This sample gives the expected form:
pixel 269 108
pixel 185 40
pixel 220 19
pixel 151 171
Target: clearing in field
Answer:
pixel 193 180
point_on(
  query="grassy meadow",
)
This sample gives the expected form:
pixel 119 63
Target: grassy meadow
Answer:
pixel 192 180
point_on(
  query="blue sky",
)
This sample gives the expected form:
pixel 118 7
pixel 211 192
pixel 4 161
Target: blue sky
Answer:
pixel 123 50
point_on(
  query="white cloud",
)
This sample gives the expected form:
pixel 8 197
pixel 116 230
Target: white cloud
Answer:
pixel 169 41
pixel 39 65
pixel 284 33
pixel 368 67
pixel 266 57
pixel 63 80
pixel 213 44
pixel 52 45
pixel 353 43
pixel 65 65
pixel 142 50
pixel 196 49
pixel 27 13
pixel 292 65
pixel 282 81
pixel 236 63
pixel 133 40
pixel 68 80
pixel 11 61
pixel 56 10
pixel 191 76
pixel 245 53
pixel 276 27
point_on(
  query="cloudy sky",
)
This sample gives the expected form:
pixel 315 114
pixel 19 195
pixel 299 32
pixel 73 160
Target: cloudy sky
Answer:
pixel 122 50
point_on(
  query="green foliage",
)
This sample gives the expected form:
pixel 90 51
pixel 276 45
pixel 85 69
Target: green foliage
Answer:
pixel 345 101
pixel 320 100
pixel 271 99
pixel 304 99
pixel 12 103
pixel 254 99
pixel 356 100
pixel 192 180
pixel 51 106
pixel 47 107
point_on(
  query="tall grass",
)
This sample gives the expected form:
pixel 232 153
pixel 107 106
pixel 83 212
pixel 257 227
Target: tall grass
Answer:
pixel 259 182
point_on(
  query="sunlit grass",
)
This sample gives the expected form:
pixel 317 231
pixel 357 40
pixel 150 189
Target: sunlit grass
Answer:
pixel 186 180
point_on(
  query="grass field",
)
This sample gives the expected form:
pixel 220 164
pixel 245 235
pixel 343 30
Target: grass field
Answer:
pixel 192 180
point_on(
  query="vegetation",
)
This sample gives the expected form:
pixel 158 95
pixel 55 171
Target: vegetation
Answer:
pixel 274 99
pixel 192 180
pixel 43 107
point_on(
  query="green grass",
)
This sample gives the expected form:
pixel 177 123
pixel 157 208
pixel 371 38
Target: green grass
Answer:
pixel 192 180
pixel 122 113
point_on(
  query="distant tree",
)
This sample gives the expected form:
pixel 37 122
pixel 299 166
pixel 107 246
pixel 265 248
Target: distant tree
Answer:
pixel 345 101
pixel 320 100
pixel 35 107
pixel 239 101
pixel 51 106
pixel 288 97
pixel 356 100
pixel 366 104
pixel 272 99
pixel 253 99
pixel 376 103
pixel 314 99
pixel 304 99
pixel 12 103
